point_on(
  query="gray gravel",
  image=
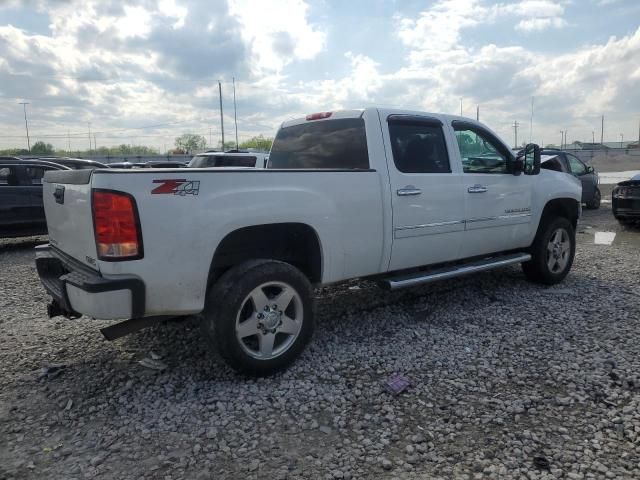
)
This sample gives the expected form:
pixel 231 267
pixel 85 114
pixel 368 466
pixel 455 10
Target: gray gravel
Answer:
pixel 510 380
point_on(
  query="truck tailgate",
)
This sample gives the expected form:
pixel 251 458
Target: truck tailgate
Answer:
pixel 67 205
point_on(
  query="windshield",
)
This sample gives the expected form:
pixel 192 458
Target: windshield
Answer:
pixel 206 161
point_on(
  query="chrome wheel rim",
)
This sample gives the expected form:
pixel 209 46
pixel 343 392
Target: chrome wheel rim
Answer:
pixel 269 320
pixel 558 251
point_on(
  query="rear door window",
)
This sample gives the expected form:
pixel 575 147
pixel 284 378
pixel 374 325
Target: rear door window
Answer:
pixel 418 146
pixel 35 174
pixel 9 176
pixel 326 144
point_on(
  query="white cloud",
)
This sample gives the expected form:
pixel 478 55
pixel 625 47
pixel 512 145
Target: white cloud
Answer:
pixel 278 32
pixel 171 9
pixel 539 24
pixel 132 62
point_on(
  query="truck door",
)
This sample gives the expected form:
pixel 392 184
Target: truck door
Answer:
pixel 426 191
pixel 498 204
pixel 14 199
pixel 579 170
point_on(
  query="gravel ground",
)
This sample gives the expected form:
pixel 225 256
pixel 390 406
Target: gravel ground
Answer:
pixel 509 380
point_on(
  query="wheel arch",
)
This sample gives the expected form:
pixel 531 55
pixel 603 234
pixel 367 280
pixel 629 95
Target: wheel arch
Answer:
pixel 568 208
pixel 562 207
pixel 295 243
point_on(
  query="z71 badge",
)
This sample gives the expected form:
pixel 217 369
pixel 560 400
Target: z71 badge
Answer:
pixel 180 187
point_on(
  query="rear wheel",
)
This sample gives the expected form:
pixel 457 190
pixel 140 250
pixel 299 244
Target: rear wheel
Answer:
pixel 594 203
pixel 259 316
pixel 552 252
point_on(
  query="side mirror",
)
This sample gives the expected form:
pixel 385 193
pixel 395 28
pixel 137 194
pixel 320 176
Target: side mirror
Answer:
pixel 531 154
pixel 590 169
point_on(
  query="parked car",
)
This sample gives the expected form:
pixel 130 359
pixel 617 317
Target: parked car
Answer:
pixel 229 159
pixel 21 209
pixel 401 197
pixel 164 164
pixel 75 163
pixel 127 165
pixel 625 200
pixel 568 163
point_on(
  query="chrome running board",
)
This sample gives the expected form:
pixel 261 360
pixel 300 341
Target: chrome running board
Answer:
pixel 394 283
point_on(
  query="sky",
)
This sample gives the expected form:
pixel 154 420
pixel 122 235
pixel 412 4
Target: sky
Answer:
pixel 146 71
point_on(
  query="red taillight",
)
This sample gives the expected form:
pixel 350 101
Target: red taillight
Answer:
pixel 319 116
pixel 117 228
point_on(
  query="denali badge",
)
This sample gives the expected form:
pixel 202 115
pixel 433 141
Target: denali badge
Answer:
pixel 180 187
pixel 517 210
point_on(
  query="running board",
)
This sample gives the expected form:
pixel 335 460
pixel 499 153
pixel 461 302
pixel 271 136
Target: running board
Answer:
pixel 394 283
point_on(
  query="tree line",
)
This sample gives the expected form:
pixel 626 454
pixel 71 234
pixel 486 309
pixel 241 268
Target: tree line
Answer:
pixel 187 143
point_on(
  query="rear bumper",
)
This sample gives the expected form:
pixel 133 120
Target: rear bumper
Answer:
pixel 626 207
pixel 78 290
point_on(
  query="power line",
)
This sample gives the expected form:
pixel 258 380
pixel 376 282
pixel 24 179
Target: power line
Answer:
pixel 82 134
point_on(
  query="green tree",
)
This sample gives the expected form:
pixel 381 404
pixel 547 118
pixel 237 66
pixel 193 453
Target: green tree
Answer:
pixel 190 142
pixel 41 148
pixel 259 143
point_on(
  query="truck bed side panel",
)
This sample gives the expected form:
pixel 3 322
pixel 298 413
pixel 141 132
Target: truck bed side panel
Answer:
pixel 181 232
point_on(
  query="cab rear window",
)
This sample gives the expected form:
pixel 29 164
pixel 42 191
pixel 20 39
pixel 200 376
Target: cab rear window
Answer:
pixel 329 144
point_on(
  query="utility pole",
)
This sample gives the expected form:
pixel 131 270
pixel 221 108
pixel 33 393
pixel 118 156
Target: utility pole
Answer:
pixel 221 116
pixel 621 139
pixel 209 135
pixel 531 124
pixel 515 129
pixel 602 132
pixel 477 113
pixel 68 141
pixel 89 125
pixel 460 106
pixel 95 145
pixel 26 124
pixel 593 137
pixel 235 118
pixel 561 139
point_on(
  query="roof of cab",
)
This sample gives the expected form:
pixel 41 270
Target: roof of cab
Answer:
pixel 356 113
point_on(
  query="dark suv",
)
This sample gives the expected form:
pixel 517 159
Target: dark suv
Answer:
pixel 568 163
pixel 21 209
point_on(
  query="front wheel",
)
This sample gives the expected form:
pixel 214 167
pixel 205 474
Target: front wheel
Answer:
pixel 259 316
pixel 552 252
pixel 594 203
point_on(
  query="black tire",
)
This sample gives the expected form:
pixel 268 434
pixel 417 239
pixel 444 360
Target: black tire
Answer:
pixel 227 302
pixel 627 222
pixel 537 269
pixel 594 204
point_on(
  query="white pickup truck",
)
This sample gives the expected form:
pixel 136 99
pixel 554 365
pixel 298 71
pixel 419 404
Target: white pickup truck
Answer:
pixel 397 196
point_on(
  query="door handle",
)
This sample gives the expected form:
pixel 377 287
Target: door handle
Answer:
pixel 477 189
pixel 408 191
